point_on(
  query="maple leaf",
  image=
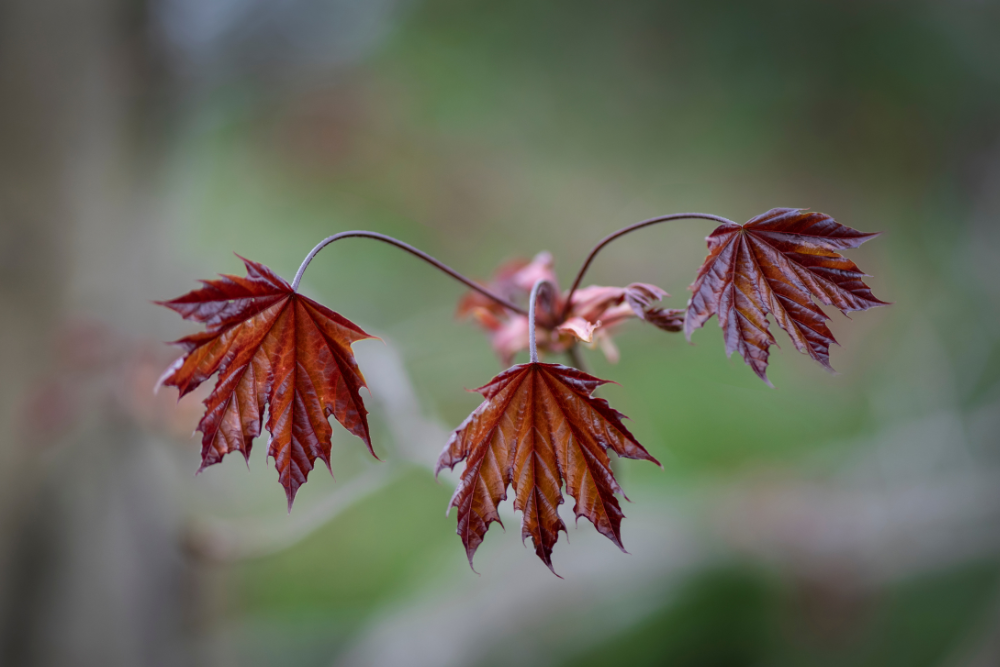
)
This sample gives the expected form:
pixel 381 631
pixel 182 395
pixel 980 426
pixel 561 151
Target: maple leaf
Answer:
pixel 593 315
pixel 274 348
pixel 538 428
pixel 777 263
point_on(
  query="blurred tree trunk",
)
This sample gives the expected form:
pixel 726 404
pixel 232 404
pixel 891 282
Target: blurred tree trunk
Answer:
pixel 91 569
pixel 40 130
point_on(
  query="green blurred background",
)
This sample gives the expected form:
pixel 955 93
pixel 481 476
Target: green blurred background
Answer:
pixel 837 520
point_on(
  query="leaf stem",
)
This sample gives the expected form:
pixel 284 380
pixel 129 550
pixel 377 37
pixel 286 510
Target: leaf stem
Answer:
pixel 413 251
pixel 535 291
pixel 622 232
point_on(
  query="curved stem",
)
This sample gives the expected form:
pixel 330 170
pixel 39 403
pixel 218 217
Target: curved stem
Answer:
pixel 413 251
pixel 625 230
pixel 535 290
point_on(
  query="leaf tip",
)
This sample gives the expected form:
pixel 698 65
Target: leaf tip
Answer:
pixel 290 494
pixel 165 376
pixel 648 457
pixel 470 552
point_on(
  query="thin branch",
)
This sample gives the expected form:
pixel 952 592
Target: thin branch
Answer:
pixel 535 291
pixel 413 251
pixel 625 230
pixel 228 541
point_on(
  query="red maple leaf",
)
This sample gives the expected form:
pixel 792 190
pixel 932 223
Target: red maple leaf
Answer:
pixel 777 263
pixel 539 428
pixel 276 348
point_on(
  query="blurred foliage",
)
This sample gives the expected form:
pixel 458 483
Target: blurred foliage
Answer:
pixel 481 131
pixel 738 618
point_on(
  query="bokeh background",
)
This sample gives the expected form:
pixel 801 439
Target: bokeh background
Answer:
pixel 837 520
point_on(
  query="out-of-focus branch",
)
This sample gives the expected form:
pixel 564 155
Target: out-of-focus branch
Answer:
pixel 416 439
pixel 222 541
pixel 866 533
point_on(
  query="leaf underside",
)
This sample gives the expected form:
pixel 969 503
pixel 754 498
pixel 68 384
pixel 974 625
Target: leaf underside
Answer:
pixel 538 429
pixel 778 263
pixel 273 348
